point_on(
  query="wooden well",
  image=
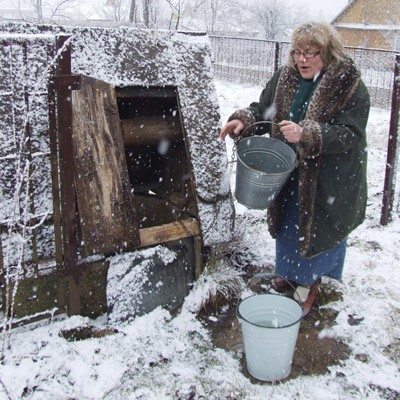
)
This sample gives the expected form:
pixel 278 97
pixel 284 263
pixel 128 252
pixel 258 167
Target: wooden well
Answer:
pixel 122 133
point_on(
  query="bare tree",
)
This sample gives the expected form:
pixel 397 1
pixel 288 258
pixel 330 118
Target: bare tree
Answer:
pixel 132 11
pixel 150 12
pixel 213 13
pixel 192 11
pixel 38 6
pixel 180 7
pixel 272 15
pixel 50 11
pixel 115 10
pixel 218 12
pixel 146 12
pixel 176 7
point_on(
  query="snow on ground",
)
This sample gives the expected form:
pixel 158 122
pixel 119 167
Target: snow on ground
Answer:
pixel 158 356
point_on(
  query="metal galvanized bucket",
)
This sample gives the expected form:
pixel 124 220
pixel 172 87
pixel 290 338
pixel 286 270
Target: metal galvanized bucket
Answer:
pixel 263 166
pixel 270 325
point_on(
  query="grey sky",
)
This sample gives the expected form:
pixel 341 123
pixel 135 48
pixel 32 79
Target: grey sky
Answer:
pixel 327 9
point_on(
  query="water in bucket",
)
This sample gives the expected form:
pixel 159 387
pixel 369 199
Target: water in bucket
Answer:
pixel 270 325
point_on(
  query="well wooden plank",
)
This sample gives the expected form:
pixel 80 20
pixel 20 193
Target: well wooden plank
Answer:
pixel 104 198
pixel 169 232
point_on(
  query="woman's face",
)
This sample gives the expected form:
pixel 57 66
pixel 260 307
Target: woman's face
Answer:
pixel 308 61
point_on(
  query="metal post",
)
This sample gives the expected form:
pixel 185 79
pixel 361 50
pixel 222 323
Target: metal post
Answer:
pixel 64 105
pixel 54 163
pixel 387 203
pixel 62 85
pixel 277 56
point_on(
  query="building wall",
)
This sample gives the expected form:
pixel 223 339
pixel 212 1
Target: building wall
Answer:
pixel 371 12
pixel 374 39
pixel 370 23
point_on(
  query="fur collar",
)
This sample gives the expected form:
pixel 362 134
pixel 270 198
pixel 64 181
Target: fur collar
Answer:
pixel 337 85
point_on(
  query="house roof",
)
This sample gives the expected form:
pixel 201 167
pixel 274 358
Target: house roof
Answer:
pixel 343 10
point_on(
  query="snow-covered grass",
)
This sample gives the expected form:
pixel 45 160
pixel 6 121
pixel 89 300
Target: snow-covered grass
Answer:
pixel 159 356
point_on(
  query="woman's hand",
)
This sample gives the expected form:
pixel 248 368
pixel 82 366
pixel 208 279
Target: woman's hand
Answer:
pixel 232 128
pixel 293 132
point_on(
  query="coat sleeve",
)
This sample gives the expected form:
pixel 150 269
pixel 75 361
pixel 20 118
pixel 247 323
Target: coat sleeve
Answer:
pixel 261 110
pixel 264 109
pixel 343 132
pixel 348 127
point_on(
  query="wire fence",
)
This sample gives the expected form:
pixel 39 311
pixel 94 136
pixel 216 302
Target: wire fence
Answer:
pixel 254 61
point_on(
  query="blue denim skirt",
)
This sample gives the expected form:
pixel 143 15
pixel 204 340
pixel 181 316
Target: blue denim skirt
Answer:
pixel 289 262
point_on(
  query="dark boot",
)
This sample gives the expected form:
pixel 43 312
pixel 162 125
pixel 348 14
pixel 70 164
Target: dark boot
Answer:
pixel 283 285
pixel 307 296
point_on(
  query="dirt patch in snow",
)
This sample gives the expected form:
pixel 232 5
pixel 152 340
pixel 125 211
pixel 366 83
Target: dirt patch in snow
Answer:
pixel 316 349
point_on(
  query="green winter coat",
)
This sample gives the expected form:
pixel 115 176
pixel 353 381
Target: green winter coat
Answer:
pixel 332 160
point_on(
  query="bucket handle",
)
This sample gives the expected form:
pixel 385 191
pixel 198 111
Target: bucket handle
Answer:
pixel 271 275
pixel 260 123
pixel 241 136
pixel 274 275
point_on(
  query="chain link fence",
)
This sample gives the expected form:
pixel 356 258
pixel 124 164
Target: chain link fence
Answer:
pixel 255 60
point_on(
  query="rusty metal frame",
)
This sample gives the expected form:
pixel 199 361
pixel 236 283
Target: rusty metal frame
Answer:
pixel 61 86
pixel 392 151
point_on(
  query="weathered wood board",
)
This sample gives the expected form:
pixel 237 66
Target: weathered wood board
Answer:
pixel 104 198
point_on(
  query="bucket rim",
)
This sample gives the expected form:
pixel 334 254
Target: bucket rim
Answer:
pixel 241 317
pixel 263 138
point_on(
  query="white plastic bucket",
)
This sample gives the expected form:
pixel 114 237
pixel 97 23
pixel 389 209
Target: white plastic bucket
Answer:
pixel 270 326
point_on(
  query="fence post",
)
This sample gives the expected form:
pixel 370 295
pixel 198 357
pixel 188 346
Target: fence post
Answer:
pixel 277 56
pixel 391 162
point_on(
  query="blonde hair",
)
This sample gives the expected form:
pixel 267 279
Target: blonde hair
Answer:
pixel 322 36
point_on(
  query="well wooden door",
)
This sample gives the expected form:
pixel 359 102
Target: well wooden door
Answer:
pixel 106 212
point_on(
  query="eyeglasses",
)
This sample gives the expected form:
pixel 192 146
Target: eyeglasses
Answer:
pixel 306 54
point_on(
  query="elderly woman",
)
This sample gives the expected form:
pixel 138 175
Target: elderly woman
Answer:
pixel 321 107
